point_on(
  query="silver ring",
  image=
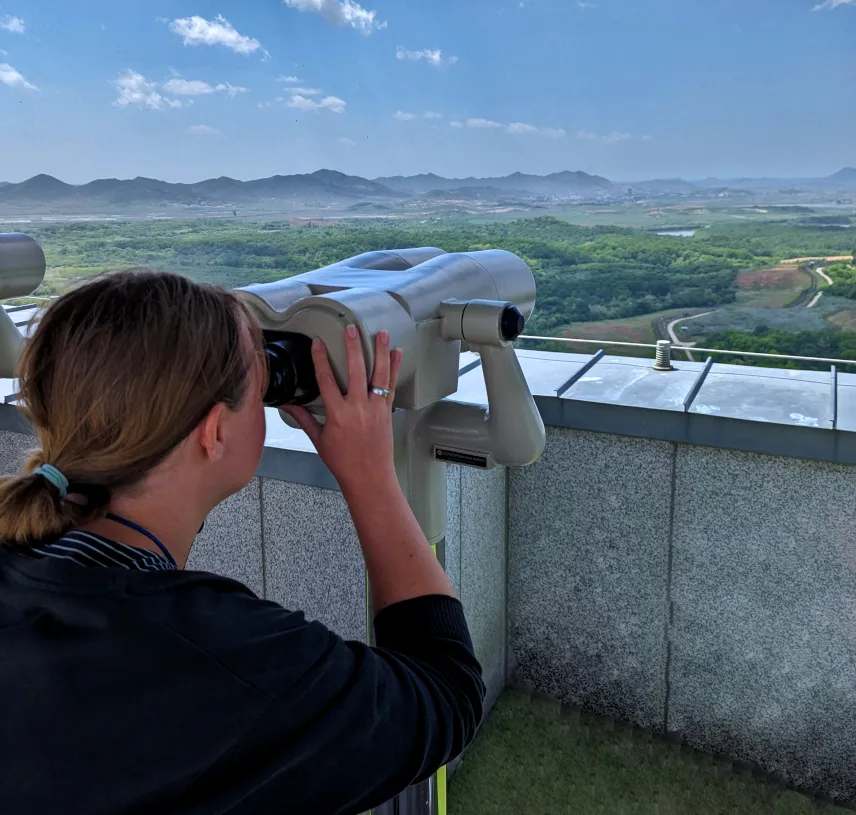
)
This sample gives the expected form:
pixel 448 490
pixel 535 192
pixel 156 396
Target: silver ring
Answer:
pixel 380 392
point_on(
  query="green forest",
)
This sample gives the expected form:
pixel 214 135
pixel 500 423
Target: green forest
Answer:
pixel 583 273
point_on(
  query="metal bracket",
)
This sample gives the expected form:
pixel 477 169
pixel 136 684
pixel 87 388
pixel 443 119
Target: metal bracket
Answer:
pixel 581 372
pixel 691 396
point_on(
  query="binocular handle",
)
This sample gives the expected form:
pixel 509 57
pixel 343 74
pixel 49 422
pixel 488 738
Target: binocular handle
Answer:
pixel 510 432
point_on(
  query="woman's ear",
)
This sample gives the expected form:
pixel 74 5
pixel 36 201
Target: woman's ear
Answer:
pixel 210 433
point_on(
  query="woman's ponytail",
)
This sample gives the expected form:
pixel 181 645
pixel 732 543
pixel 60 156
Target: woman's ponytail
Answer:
pixel 32 508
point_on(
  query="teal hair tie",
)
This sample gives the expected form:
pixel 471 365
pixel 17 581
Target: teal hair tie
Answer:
pixel 52 474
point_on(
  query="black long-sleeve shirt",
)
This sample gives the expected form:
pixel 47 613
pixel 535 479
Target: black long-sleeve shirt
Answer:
pixel 125 691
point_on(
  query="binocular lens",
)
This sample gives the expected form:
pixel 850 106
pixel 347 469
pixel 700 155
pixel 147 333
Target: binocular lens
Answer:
pixel 291 372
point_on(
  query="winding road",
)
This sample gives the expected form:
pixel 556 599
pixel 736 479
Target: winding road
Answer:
pixel 670 329
pixel 826 277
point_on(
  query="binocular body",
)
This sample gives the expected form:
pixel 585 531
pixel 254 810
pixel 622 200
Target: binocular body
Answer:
pixel 427 300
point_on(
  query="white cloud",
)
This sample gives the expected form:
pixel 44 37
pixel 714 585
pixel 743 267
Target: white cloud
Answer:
pixel 9 76
pixel 219 31
pixel 289 79
pixel 831 4
pixel 341 13
pixel 431 56
pixel 409 117
pixel 331 103
pixel 614 137
pixel 306 91
pixel 521 128
pixel 484 124
pixel 346 141
pixel 513 129
pixel 203 130
pixel 196 87
pixel 264 104
pixel 13 24
pixel 647 138
pixel 135 89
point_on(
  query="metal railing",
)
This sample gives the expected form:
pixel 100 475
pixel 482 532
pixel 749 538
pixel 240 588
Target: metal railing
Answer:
pixel 687 349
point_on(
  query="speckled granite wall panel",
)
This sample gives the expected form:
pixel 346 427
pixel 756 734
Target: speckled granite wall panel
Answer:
pixel 230 544
pixel 312 558
pixel 483 569
pixel 763 639
pixel 13 451
pixel 588 573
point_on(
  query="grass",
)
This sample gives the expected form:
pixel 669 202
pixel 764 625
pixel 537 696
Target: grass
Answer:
pixel 531 760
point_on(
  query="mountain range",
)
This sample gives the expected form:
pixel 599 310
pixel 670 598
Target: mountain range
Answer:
pixel 566 182
pixel 326 187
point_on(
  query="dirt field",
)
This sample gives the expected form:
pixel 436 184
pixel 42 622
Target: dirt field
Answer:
pixel 771 288
pixel 780 277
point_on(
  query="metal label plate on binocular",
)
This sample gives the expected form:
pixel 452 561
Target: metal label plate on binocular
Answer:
pixel 478 460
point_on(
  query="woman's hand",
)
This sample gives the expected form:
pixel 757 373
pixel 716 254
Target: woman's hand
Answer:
pixel 356 441
pixel 356 444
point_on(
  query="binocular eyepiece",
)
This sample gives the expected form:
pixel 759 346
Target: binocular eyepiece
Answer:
pixel 291 372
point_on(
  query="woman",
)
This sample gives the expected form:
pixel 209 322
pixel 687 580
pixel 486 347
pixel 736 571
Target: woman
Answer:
pixel 128 685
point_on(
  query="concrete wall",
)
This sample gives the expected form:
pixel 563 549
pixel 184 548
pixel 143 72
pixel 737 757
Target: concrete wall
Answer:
pixel 700 592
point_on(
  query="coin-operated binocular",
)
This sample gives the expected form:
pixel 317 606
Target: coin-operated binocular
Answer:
pixel 429 302
pixel 22 269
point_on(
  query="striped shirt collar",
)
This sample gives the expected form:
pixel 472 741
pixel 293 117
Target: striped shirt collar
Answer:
pixel 88 549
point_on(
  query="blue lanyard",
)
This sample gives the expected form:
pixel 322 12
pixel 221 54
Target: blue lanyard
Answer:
pixel 145 533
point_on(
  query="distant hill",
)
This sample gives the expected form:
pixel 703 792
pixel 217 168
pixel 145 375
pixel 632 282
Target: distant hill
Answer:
pixel 845 178
pixel 564 183
pixel 467 193
pixel 662 185
pixel 323 186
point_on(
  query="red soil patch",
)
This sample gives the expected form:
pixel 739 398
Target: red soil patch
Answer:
pixel 781 277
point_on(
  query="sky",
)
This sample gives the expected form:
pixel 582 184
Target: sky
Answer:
pixel 627 89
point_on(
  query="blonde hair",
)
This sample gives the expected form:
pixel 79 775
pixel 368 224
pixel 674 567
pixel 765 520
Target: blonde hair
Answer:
pixel 116 375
